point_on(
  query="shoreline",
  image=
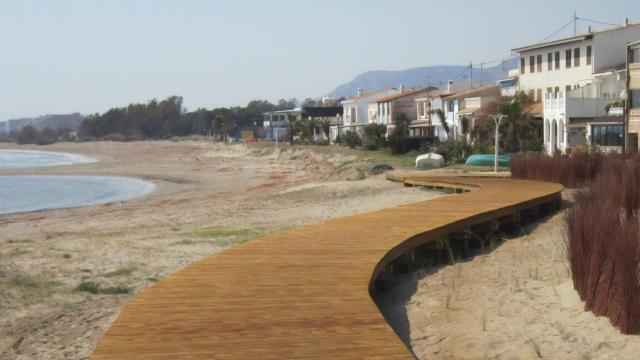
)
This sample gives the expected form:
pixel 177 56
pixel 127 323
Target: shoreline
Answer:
pixel 210 197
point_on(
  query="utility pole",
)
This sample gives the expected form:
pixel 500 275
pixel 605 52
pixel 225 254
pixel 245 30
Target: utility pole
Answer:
pixel 471 77
pixel 481 73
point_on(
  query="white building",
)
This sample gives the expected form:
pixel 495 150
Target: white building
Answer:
pixel 276 123
pixel 464 110
pixel 356 112
pixel 555 72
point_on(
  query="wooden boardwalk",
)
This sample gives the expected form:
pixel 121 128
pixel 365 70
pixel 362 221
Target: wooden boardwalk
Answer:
pixel 305 293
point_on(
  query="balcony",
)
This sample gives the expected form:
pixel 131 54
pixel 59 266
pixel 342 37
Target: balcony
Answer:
pixel 579 103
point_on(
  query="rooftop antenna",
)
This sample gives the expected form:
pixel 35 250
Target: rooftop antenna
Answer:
pixel 575 24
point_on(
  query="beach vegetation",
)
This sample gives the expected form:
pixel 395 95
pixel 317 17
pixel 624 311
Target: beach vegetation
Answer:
pixel 97 289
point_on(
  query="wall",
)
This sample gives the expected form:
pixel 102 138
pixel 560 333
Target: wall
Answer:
pixel 610 47
pixel 581 75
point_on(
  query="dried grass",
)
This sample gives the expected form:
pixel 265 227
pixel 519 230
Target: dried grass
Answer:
pixel 603 228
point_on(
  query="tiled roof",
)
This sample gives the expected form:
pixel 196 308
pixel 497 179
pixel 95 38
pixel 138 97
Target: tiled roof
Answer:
pixel 477 91
pixel 364 95
pixel 406 93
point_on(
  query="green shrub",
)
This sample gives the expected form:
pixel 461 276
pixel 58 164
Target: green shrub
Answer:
pixel 352 139
pixel 381 168
pixel 94 288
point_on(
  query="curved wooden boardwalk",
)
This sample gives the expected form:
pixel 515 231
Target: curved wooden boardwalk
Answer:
pixel 304 293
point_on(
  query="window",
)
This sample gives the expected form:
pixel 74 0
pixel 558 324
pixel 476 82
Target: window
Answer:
pixel 549 90
pixel 539 60
pixel 589 55
pixel 567 88
pixel 636 55
pixel 539 95
pixel 532 94
pixel 557 89
pixel 450 106
pixel 549 61
pixel 557 60
pixel 567 59
pixel 606 135
pixel 532 64
pixel 522 65
pixel 634 97
pixel 576 57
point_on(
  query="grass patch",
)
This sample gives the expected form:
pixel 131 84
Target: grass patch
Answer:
pixel 13 253
pixel 95 288
pixel 384 156
pixel 32 288
pixel 66 256
pixel 121 271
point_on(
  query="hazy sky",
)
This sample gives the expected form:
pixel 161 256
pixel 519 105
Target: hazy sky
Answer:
pixel 86 56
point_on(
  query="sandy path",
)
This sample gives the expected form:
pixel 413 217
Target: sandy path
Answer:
pixel 209 197
pixel 516 302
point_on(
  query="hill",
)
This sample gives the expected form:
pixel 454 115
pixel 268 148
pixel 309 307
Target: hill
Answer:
pixel 437 76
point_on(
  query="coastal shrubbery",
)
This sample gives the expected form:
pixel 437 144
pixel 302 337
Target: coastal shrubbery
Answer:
pixel 571 171
pixel 603 228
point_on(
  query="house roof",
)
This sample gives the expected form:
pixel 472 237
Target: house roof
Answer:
pixel 475 92
pixel 401 95
pixel 568 40
pixel 434 93
pixel 365 95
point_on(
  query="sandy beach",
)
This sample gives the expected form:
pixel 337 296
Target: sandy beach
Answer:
pixel 515 302
pixel 208 197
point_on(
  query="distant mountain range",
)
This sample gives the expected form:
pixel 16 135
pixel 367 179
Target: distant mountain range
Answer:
pixel 54 122
pixel 421 77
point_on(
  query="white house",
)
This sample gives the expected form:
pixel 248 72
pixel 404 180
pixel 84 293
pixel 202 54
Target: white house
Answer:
pixel 276 123
pixel 463 110
pixel 356 112
pixel 553 72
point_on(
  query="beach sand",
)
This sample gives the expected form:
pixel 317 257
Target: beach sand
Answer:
pixel 516 302
pixel 209 197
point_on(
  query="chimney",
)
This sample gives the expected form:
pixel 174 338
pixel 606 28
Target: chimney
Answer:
pixel 450 87
pixel 360 91
pixel 402 88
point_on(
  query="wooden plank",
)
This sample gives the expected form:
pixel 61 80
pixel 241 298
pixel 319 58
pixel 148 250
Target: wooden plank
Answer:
pixel 305 293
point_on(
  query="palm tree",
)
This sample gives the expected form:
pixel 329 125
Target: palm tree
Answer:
pixel 519 124
pixel 221 127
pixel 443 121
pixel 401 125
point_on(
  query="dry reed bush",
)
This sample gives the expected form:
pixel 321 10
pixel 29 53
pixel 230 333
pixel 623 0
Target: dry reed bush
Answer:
pixel 603 246
pixel 570 170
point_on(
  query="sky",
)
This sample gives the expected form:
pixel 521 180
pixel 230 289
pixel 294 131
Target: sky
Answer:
pixel 87 56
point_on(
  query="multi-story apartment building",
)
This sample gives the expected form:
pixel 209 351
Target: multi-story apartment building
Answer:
pixel 551 72
pixel 633 101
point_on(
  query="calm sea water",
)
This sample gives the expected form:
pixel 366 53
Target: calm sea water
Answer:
pixel 17 159
pixel 24 193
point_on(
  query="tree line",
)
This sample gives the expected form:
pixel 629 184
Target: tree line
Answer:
pixel 168 118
